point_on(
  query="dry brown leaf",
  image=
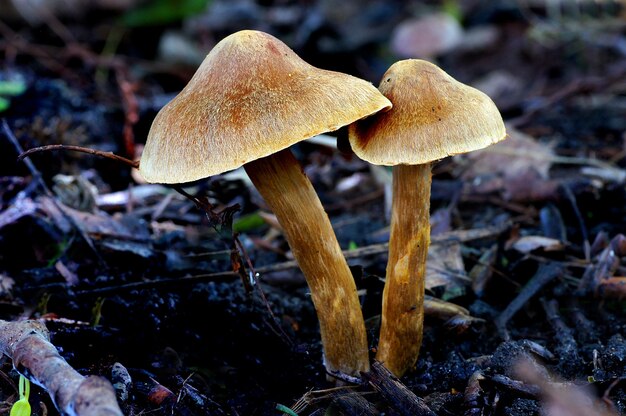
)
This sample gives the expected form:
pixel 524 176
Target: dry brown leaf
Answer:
pixel 517 167
pixel 444 267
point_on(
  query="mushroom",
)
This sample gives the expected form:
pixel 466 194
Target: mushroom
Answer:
pixel 251 98
pixel 433 116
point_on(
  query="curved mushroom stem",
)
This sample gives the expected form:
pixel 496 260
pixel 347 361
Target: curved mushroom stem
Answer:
pixel 403 296
pixel 286 189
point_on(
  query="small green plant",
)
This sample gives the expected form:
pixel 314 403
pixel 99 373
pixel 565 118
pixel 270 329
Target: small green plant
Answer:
pixel 10 89
pixel 42 305
pixel 22 407
pixel 285 410
pixel 248 222
pixel 96 312
pixel 453 8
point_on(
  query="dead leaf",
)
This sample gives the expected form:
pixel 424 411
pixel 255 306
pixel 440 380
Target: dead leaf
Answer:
pixel 482 272
pixel 6 285
pixel 516 167
pixel 457 318
pixel 530 243
pixel 613 287
pixel 444 267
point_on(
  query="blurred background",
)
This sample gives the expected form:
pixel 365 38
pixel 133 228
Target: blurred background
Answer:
pixel 95 73
pixel 134 55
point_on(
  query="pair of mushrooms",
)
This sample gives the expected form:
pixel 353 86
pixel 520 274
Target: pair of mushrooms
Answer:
pixel 253 97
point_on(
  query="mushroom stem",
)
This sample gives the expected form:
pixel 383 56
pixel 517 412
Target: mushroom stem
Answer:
pixel 403 296
pixel 288 192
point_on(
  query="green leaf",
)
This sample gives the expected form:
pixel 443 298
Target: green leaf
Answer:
pixel 248 222
pixel 4 104
pixel 96 312
pixel 159 12
pixel 12 88
pixel 453 9
pixel 22 407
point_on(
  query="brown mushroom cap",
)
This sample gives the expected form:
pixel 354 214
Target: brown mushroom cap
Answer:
pixel 251 97
pixel 433 116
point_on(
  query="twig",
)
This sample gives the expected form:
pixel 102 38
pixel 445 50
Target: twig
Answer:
pixel 396 394
pixel 81 149
pixel 276 327
pixel 161 283
pixel 606 264
pixel 545 274
pixel 559 159
pixel 54 57
pixel 216 220
pixel 585 329
pixel 518 387
pixel 566 346
pixel 27 344
pixel 579 86
pixel 353 403
pixel 581 223
pixel 607 392
pixel 131 108
pixel 473 396
pixel 462 236
pixel 340 375
pixel 226 216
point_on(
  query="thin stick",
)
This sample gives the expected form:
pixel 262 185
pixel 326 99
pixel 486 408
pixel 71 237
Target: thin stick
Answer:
pixel 396 394
pixel 161 283
pixel 275 324
pixel 569 195
pixel 375 249
pixel 100 153
pixel 545 274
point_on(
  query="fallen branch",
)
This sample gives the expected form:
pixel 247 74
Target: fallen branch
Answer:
pixel 396 394
pixel 27 344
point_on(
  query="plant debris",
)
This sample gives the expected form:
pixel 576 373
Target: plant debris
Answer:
pixel 187 300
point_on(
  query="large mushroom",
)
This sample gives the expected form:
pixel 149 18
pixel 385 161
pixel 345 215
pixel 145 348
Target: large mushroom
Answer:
pixel 433 116
pixel 250 100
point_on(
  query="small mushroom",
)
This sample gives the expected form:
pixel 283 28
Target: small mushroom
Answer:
pixel 433 116
pixel 250 99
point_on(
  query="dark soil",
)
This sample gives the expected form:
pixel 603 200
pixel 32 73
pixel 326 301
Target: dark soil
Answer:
pixel 148 282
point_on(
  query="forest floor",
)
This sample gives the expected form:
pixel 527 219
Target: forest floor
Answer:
pixel 528 242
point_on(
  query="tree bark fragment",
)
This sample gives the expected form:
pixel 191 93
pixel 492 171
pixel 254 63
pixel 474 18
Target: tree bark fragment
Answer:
pixel 27 344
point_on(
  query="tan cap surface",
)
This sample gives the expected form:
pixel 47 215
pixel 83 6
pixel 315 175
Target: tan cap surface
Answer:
pixel 251 97
pixel 433 116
